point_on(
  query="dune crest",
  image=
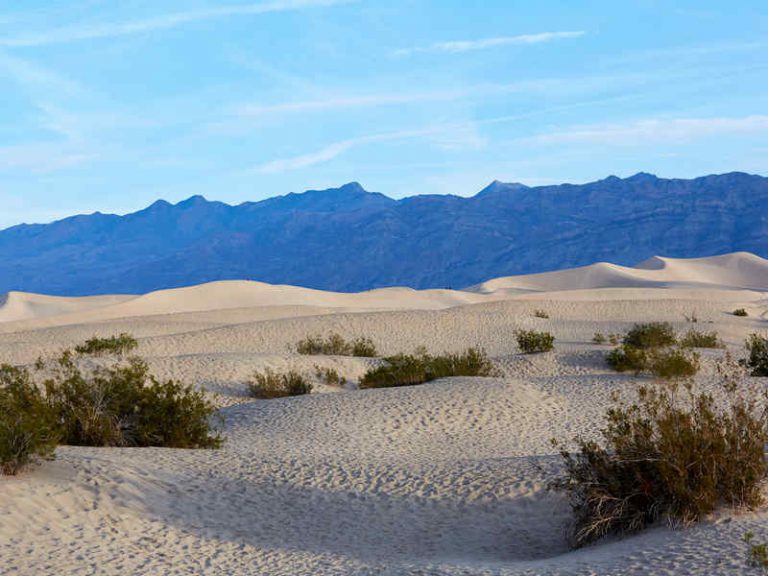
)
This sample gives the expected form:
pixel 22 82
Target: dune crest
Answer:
pixel 737 271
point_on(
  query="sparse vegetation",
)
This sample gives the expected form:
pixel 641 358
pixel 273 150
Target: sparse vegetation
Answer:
pixel 28 428
pixel 539 313
pixel 270 384
pixel 598 338
pixel 691 318
pixel 412 369
pixel 335 345
pixel 757 362
pixel 533 342
pixel 329 376
pixel 758 553
pixel 614 339
pixel 650 335
pixel 661 362
pixel 119 345
pixel 696 339
pixel 740 312
pixel 673 454
pixel 123 405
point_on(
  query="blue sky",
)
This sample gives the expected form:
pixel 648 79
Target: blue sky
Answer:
pixel 110 105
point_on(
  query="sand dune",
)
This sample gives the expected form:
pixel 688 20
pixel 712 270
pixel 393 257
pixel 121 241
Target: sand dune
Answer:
pixel 444 479
pixel 738 271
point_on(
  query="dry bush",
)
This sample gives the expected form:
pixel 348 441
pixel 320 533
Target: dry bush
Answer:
pixel 539 313
pixel 598 338
pixel 270 384
pixel 412 369
pixel 533 342
pixel 740 312
pixel 335 345
pixel 28 427
pixel 673 454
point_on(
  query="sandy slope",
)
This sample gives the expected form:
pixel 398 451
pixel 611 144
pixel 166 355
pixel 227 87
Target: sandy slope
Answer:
pixel 448 478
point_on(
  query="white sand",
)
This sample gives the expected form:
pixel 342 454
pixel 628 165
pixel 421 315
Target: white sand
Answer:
pixel 448 478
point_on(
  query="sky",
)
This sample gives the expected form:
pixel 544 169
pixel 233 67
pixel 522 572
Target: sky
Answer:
pixel 110 105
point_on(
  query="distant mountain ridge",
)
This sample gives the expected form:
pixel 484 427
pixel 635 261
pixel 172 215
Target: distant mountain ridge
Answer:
pixel 348 239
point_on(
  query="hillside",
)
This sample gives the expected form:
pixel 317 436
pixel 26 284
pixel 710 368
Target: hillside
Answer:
pixel 348 239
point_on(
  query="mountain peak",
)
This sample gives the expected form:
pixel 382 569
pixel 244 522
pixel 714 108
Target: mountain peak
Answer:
pixel 498 186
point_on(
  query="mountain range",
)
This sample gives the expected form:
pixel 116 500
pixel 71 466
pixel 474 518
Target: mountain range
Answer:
pixel 348 239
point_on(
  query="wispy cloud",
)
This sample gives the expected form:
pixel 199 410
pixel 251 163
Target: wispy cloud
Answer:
pixel 458 46
pixel 675 130
pixel 165 21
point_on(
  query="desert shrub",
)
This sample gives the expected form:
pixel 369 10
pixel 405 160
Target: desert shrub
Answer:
pixel 113 345
pixel 650 335
pixel 673 363
pixel 740 312
pixel 329 376
pixel 692 318
pixel 672 454
pixel 123 405
pixel 412 369
pixel 539 313
pixel 270 384
pixel 661 362
pixel 533 342
pixel 627 359
pixel 28 427
pixel 758 553
pixel 757 362
pixel 614 339
pixel 598 338
pixel 696 339
pixel 335 345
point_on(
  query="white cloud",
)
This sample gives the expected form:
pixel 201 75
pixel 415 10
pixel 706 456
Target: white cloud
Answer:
pixel 165 21
pixel 458 46
pixel 675 130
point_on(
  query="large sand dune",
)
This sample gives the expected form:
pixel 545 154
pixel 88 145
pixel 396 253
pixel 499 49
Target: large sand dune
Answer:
pixel 448 478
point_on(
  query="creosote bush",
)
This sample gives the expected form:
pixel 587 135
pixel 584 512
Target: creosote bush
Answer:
pixel 673 454
pixel 335 345
pixel 123 405
pixel 757 362
pixel 598 338
pixel 696 339
pixel 533 342
pixel 28 427
pixel 329 376
pixel 740 312
pixel 412 369
pixel 650 335
pixel 661 362
pixel 539 313
pixel 119 345
pixel 270 384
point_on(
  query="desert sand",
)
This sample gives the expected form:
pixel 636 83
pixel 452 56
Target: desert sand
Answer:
pixel 447 478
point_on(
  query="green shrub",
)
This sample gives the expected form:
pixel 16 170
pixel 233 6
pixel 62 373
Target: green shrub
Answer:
pixel 661 362
pixel 533 342
pixel 627 359
pixel 758 553
pixel 540 313
pixel 28 427
pixel 740 312
pixel 114 345
pixel 329 376
pixel 696 339
pixel 412 369
pixel 758 355
pixel 123 405
pixel 335 345
pixel 672 454
pixel 651 335
pixel 598 338
pixel 673 363
pixel 270 384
